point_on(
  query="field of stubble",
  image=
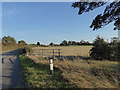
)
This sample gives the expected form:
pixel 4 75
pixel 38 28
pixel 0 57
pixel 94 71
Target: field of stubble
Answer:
pixel 83 73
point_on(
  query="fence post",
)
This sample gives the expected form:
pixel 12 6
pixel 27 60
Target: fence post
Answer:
pixel 53 53
pixel 42 52
pixel 59 52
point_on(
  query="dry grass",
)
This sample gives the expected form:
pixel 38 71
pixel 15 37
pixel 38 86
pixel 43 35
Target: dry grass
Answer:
pixel 9 47
pixel 92 74
pixel 87 74
pixel 84 73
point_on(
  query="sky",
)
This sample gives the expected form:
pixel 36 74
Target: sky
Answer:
pixel 47 22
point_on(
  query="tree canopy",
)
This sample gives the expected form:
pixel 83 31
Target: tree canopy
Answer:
pixel 38 43
pixel 8 39
pixel 22 42
pixel 110 14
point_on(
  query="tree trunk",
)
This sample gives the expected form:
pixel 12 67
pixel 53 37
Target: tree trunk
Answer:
pixel 119 35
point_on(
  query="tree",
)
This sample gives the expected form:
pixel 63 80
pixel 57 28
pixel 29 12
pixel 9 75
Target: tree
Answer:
pixel 22 42
pixel 8 39
pixel 110 14
pixel 51 44
pixel 118 51
pixel 82 42
pixel 38 43
pixel 69 42
pixel 101 49
pixel 115 46
pixel 64 43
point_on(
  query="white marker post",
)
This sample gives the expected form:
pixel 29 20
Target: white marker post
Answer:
pixel 51 66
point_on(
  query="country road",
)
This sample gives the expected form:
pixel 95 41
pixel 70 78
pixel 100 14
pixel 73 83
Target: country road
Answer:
pixel 11 71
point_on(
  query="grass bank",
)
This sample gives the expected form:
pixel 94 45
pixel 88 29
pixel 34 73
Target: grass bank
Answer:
pixel 6 48
pixel 37 75
pixel 9 47
pixel 88 74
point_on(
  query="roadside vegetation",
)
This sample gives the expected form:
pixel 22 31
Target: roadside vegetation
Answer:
pixel 80 67
pixel 9 43
pixel 70 73
pixel 37 75
pixel 103 50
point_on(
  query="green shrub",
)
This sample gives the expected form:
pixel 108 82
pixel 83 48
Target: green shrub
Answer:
pixel 22 42
pixel 26 50
pixel 101 49
pixel 117 51
pixel 104 50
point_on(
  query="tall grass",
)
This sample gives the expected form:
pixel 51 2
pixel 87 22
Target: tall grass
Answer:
pixel 90 74
pixel 37 75
pixel 84 73
pixel 87 74
pixel 8 47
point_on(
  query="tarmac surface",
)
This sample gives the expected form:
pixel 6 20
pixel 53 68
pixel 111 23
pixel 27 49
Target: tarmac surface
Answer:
pixel 11 70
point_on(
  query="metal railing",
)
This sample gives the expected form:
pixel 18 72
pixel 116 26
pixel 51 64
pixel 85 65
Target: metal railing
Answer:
pixel 47 52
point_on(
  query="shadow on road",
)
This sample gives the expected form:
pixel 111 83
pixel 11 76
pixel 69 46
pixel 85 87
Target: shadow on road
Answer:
pixel 2 60
pixel 11 71
pixel 73 57
pixel 10 60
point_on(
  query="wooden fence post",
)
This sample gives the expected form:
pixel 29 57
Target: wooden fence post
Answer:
pixel 42 52
pixel 53 53
pixel 59 52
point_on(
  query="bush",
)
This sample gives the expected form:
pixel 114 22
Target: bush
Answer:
pixel 117 52
pixel 26 50
pixel 101 50
pixel 22 42
pixel 104 50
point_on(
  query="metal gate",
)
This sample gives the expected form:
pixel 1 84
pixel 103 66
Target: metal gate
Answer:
pixel 47 52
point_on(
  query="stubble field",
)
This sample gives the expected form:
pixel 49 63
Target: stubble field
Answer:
pixel 79 72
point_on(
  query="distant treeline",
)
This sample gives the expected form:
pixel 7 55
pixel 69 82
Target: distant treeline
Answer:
pixel 11 40
pixel 101 50
pixel 69 43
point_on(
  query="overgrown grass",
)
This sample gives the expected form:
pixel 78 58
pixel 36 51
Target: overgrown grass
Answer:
pixel 88 74
pixel 82 73
pixel 37 75
pixel 8 47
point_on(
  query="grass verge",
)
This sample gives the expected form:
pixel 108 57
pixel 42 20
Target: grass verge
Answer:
pixel 37 75
pixel 87 73
pixel 90 74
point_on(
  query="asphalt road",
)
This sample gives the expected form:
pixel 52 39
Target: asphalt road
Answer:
pixel 11 70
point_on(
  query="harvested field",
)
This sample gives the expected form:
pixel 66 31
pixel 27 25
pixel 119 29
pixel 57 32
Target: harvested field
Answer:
pixel 84 73
pixel 71 50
